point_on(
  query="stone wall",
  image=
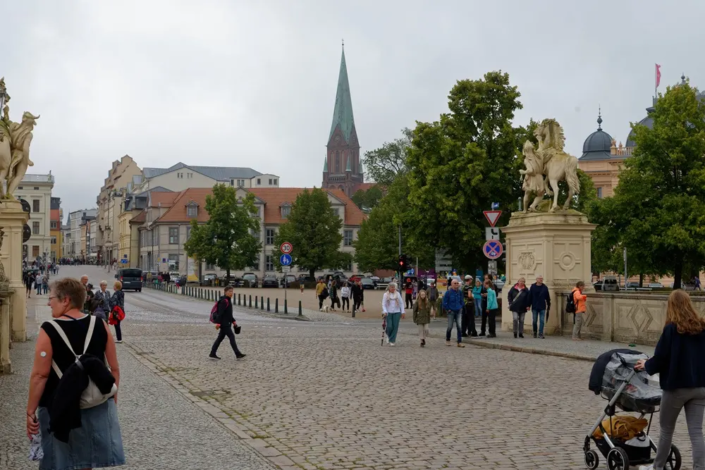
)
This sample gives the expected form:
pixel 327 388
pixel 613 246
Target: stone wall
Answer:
pixel 621 317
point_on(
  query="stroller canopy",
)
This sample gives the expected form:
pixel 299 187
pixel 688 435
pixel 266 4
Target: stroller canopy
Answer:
pixel 598 369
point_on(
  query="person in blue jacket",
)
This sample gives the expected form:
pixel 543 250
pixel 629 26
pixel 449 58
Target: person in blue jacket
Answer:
pixel 490 313
pixel 540 301
pixel 679 361
pixel 453 304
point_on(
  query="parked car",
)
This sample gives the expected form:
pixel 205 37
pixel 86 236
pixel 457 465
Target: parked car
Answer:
pixel 632 285
pixel 368 283
pixel 286 279
pixel 609 284
pixel 131 278
pixel 656 285
pixel 229 281
pixel 174 275
pixel 181 281
pixel 209 279
pixel 250 280
pixel 270 281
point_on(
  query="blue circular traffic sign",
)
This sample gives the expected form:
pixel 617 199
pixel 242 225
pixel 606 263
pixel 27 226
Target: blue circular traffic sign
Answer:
pixel 493 249
pixel 285 260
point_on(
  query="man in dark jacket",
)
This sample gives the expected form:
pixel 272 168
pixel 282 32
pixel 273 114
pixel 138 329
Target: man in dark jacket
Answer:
pixel 358 295
pixel 468 323
pixel 225 316
pixel 519 304
pixel 540 304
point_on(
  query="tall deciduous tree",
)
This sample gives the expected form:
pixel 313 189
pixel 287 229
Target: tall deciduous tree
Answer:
pixel 390 160
pixel 368 199
pixel 463 163
pixel 226 240
pixel 315 232
pixel 658 211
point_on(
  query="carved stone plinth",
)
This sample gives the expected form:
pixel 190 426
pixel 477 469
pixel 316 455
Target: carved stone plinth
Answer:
pixel 5 363
pixel 12 220
pixel 555 245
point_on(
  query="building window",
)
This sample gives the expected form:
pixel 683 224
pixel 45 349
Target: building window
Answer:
pixel 275 182
pixel 35 205
pixel 270 181
pixel 35 251
pixel 270 233
pixel 286 210
pixel 348 267
pixel 192 210
pixel 240 183
pixel 189 175
pixel 259 181
pixel 173 261
pixel 337 161
pixel 348 237
pixel 270 263
pixel 173 235
pixel 255 267
pixel 210 267
pixel 335 211
pixel 188 232
pixel 54 225
pixel 36 188
pixel 53 240
pixel 35 228
pixel 599 193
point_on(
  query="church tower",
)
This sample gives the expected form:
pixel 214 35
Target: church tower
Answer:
pixel 342 168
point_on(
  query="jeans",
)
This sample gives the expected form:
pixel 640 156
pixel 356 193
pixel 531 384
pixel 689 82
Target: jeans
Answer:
pixel 454 317
pixel 693 400
pixel 39 289
pixel 468 323
pixel 518 322
pixel 393 326
pixel 578 324
pixel 118 331
pixel 539 317
pixel 45 287
pixel 346 302
pixel 478 306
pixel 225 330
pixel 320 302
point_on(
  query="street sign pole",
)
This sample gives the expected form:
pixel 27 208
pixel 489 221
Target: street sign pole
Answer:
pixel 285 260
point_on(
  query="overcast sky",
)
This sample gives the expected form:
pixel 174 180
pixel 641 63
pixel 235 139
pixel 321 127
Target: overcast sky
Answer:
pixel 242 83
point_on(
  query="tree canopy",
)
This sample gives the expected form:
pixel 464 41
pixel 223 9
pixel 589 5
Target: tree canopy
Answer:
pixel 226 240
pixel 390 160
pixel 314 229
pixel 658 209
pixel 368 199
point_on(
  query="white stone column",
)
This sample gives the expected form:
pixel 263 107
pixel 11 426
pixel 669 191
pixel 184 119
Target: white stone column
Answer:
pixel 556 245
pixel 12 221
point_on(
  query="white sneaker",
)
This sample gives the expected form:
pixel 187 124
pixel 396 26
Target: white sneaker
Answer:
pixel 391 344
pixel 644 467
pixel 386 339
pixel 119 341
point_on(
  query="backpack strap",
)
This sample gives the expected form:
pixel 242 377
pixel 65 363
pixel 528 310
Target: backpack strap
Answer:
pixel 63 336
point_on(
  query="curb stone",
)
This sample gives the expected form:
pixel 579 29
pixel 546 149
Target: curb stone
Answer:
pixel 543 352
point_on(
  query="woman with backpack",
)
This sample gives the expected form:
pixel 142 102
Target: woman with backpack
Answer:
pixel 117 309
pixel 81 437
pixel 579 300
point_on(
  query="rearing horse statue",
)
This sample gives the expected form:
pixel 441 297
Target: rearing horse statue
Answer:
pixel 557 165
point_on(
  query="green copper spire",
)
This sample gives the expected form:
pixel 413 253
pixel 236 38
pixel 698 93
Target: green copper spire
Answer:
pixel 343 112
pixel 325 165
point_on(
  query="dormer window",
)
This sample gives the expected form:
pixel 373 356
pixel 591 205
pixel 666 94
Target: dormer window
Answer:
pixel 286 210
pixel 192 210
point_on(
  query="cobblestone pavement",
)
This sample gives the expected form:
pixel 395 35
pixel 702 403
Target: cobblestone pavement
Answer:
pixel 323 395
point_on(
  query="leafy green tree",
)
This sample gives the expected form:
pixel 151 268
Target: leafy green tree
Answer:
pixel 463 163
pixel 315 232
pixel 367 200
pixel 390 160
pixel 226 240
pixel 658 211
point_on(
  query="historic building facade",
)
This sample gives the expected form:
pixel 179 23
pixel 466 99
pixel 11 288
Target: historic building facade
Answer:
pixel 342 169
pixel 36 190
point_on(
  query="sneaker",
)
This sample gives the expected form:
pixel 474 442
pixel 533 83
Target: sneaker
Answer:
pixel 240 356
pixel 461 345
pixel 480 335
pixel 491 336
pixel 213 356
pixel 448 343
pixel 542 337
pixel 386 339
pixel 423 343
pixel 515 335
pixel 521 335
pixel 391 344
pixel 119 341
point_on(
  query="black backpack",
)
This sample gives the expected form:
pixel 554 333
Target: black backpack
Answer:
pixel 570 304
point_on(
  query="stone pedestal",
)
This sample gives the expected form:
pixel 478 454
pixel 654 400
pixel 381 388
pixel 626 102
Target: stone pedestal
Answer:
pixel 5 363
pixel 12 220
pixel 555 245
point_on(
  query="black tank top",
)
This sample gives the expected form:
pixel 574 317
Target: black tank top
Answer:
pixel 76 331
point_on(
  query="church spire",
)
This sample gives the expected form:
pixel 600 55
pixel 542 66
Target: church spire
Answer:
pixel 325 165
pixel 343 112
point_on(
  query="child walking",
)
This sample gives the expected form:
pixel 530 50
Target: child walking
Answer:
pixel 422 315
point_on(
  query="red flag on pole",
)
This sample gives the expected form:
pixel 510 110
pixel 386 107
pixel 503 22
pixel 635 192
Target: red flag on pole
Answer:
pixel 658 75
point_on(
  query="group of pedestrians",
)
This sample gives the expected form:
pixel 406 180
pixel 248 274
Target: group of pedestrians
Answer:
pixel 338 290
pixel 108 307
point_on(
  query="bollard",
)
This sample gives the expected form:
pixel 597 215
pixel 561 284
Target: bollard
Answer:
pixel 300 313
pixel 268 304
pixel 250 301
pixel 276 305
pixel 261 302
pixel 238 299
pixel 256 299
pixel 286 312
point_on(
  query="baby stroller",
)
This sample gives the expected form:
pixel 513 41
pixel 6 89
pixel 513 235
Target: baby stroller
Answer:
pixel 613 376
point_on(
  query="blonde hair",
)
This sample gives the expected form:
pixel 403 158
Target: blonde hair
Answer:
pixel 117 285
pixel 680 312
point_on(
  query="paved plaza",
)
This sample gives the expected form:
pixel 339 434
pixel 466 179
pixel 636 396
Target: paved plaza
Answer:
pixel 325 395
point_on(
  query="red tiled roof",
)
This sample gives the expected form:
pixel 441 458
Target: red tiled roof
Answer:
pixel 139 218
pixel 162 199
pixel 273 198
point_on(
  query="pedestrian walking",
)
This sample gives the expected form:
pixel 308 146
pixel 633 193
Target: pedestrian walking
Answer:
pixel 345 295
pixel 489 314
pixel 72 437
pixel 453 304
pixel 45 283
pixel 226 324
pixel 519 304
pixel 334 299
pixel 38 280
pixel 696 283
pixel 117 309
pixel 28 282
pixel 468 320
pixel 540 303
pixel 358 295
pixel 422 315
pixel 321 293
pixel 433 297
pixel 580 307
pixel 477 297
pixel 392 312
pixel 101 301
pixel 678 360
pixel 408 294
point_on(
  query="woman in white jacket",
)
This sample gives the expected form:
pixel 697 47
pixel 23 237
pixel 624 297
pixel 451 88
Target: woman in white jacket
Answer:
pixel 393 309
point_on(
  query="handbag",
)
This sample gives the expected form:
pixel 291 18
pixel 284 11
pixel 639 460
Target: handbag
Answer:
pixel 91 396
pixel 237 329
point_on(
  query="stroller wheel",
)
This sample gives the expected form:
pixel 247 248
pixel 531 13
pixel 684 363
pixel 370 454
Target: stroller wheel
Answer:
pixel 592 460
pixel 674 459
pixel 617 459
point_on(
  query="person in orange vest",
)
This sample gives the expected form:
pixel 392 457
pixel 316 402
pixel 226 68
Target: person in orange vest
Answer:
pixel 579 298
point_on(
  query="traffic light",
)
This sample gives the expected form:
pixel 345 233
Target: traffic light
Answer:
pixel 402 263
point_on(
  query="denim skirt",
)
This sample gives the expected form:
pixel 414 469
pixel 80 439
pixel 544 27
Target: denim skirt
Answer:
pixel 96 444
